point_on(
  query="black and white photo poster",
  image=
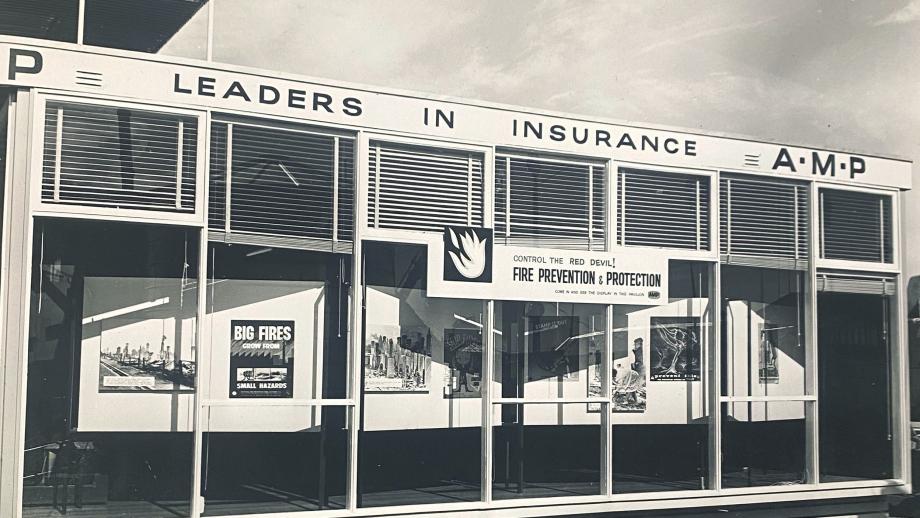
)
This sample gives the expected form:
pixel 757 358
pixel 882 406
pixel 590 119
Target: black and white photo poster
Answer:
pixel 261 358
pixel 675 349
pixel 397 359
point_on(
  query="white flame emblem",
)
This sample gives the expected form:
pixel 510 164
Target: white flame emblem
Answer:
pixel 471 261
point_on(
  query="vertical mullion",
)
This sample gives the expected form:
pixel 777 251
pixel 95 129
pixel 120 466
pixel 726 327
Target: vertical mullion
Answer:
pixel 606 407
pixel 335 191
pixel 209 52
pixel 179 163
pixel 356 312
pixel 201 337
pixel 58 144
pixel 812 430
pixel 714 385
pixel 229 177
pixel 81 24
pixel 485 388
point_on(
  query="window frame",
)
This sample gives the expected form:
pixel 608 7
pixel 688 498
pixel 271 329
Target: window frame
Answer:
pixel 46 208
pixel 228 235
pixel 363 229
pixel 606 197
pixel 842 264
pixel 710 254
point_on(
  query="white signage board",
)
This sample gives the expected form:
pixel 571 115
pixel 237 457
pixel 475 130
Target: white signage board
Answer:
pixel 224 87
pixel 552 275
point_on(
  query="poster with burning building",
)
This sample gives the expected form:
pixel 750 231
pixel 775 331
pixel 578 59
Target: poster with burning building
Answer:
pixel 261 358
pixel 397 359
pixel 463 356
pixel 675 349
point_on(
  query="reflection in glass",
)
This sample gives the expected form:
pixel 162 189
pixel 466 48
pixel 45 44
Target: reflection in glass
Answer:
pixel 853 398
pixel 763 346
pixel 545 450
pixel 112 371
pixel 763 443
pixel 421 410
pixel 276 319
pixel 548 350
pixel 660 419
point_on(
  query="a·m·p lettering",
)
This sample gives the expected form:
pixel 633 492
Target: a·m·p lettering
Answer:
pixel 24 61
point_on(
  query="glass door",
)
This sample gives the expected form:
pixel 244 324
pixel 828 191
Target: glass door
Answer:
pixel 854 386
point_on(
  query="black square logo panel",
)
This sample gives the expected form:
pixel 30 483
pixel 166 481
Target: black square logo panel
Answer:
pixel 468 254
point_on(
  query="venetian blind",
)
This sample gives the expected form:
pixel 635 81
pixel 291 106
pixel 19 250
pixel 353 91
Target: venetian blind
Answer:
pixel 119 157
pixel 668 210
pixel 855 226
pixel 763 222
pixel 285 187
pixel 550 202
pixel 855 284
pixel 423 188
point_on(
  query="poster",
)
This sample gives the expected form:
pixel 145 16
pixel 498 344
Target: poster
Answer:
pixel 552 347
pixel 628 379
pixel 140 355
pixel 397 359
pixel 261 358
pixel 768 368
pixel 463 357
pixel 675 349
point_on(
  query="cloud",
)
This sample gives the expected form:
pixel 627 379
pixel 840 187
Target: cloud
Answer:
pixel 907 14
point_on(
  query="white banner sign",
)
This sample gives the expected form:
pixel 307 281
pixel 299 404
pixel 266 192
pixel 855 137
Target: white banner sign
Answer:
pixel 223 87
pixel 549 275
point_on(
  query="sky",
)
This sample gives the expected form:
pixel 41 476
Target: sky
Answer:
pixel 837 74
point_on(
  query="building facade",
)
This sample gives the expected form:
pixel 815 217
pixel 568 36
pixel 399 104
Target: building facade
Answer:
pixel 235 292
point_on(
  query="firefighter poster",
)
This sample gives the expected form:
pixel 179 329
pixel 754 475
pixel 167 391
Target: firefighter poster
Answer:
pixel 261 358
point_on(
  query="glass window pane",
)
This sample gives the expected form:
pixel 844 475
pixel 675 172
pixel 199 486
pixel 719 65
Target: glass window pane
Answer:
pixel 545 450
pixel 274 318
pixel 171 27
pixel 763 443
pixel 548 350
pixel 112 369
pixel 255 472
pixel 660 420
pixel 854 403
pixel 763 343
pixel 46 19
pixel 421 411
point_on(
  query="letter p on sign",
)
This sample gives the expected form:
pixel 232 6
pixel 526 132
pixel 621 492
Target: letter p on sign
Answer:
pixel 25 62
